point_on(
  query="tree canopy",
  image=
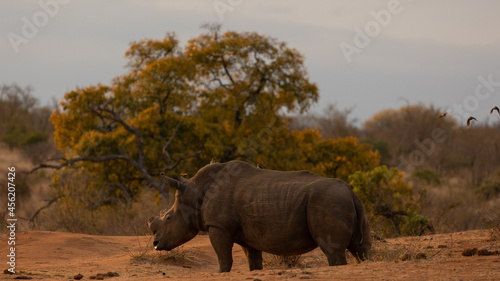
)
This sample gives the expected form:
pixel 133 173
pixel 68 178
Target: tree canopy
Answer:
pixel 178 107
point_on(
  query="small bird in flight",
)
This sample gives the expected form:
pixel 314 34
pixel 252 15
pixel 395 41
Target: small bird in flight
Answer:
pixel 469 120
pixel 495 108
pixel 443 115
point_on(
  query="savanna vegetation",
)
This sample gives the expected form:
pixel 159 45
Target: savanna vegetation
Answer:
pixel 243 96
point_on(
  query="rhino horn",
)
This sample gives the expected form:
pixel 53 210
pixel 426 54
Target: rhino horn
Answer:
pixel 181 186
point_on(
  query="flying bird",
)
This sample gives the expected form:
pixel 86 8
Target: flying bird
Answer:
pixel 469 120
pixel 443 115
pixel 493 109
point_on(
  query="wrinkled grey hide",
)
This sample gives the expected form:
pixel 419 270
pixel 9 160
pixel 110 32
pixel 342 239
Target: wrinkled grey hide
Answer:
pixel 283 213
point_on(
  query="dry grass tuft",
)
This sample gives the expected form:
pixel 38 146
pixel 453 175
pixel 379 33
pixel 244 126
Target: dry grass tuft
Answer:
pixel 276 261
pixel 175 255
pixel 146 253
pixel 406 249
pixel 142 252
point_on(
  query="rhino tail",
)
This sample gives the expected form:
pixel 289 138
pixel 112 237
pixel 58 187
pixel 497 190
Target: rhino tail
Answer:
pixel 361 242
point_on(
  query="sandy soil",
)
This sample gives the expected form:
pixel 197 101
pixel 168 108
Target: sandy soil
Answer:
pixel 44 255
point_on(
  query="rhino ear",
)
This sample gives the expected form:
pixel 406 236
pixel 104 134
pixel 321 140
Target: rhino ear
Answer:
pixel 182 177
pixel 213 161
pixel 181 186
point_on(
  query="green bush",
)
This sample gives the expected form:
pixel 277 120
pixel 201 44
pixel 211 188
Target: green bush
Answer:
pixel 389 202
pixel 428 176
pixel 14 134
pixel 489 189
pixel 34 137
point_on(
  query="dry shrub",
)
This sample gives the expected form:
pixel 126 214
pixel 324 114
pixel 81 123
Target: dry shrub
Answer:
pixel 492 222
pixel 405 249
pixel 454 205
pixel 178 256
pixel 383 251
pixel 142 252
pixel 84 209
pixel 495 233
pixel 175 255
pixel 31 189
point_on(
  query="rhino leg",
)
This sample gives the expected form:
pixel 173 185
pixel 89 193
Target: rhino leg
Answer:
pixel 336 257
pixel 222 243
pixel 254 257
pixel 334 252
pixel 332 243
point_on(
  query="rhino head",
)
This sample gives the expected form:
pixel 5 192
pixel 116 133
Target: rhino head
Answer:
pixel 177 225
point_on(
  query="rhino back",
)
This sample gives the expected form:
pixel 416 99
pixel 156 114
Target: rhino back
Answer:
pixel 273 211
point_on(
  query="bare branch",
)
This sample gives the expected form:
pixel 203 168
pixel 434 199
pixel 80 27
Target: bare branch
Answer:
pixel 165 147
pixel 123 189
pixel 88 159
pixel 178 161
pixel 226 70
pixel 220 83
pixel 114 117
pixel 105 113
pixel 50 202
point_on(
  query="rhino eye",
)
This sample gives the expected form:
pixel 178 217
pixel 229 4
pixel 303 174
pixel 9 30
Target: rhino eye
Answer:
pixel 168 217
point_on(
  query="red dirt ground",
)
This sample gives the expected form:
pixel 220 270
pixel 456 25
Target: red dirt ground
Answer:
pixel 45 255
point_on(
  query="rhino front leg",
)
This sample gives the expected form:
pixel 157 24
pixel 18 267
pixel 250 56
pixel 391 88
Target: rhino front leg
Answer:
pixel 254 258
pixel 223 246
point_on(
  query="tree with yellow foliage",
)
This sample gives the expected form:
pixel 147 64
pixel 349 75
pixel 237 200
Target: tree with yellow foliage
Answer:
pixel 245 83
pixel 176 108
pixel 307 150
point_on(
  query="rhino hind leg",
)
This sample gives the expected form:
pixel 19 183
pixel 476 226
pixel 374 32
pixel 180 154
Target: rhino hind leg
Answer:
pixel 337 258
pixel 254 258
pixel 222 243
pixel 333 252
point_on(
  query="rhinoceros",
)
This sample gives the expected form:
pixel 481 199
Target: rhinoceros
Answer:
pixel 282 213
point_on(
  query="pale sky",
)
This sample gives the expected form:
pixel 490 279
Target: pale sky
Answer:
pixel 430 52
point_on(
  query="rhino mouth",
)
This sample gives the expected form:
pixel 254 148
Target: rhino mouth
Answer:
pixel 155 245
pixel 159 247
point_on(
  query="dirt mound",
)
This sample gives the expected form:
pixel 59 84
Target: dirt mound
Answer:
pixel 63 256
